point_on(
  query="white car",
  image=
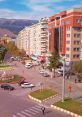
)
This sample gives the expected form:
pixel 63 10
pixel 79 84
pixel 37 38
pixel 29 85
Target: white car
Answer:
pixel 27 85
pixel 28 66
pixel 41 71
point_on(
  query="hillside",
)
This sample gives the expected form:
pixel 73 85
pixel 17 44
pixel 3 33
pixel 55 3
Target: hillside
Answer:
pixel 15 25
pixel 6 31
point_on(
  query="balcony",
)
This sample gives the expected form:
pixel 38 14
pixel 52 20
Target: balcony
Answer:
pixel 43 40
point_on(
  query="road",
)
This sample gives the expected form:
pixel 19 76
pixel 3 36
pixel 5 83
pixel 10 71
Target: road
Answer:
pixel 17 106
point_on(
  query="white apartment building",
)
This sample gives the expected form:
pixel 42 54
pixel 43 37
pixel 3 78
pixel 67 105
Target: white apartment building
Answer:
pixel 22 40
pixel 34 39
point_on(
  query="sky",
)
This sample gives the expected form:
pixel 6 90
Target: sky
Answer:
pixel 35 9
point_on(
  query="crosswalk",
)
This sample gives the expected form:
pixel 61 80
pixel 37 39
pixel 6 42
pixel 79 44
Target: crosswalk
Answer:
pixel 29 112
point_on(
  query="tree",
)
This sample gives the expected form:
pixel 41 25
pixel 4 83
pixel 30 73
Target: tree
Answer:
pixel 3 51
pixel 54 61
pixel 77 69
pixel 14 51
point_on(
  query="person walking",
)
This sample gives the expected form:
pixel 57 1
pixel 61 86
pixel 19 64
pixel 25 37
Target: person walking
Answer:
pixel 43 109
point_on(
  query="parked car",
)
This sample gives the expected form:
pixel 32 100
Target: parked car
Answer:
pixel 27 85
pixel 59 72
pixel 7 87
pixel 21 82
pixel 45 74
pixel 28 66
pixel 41 71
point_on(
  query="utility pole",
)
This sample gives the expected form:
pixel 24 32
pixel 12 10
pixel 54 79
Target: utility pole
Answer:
pixel 63 81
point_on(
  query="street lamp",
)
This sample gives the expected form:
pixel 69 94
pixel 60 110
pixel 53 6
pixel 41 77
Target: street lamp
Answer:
pixel 63 81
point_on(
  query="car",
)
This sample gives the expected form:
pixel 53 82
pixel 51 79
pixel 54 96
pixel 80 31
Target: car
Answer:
pixel 28 66
pixel 41 71
pixel 59 72
pixel 21 82
pixel 45 74
pixel 7 87
pixel 27 85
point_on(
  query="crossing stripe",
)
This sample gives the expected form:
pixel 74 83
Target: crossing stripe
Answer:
pixel 26 113
pixel 14 116
pixel 30 112
pixel 33 110
pixel 36 108
pixel 21 115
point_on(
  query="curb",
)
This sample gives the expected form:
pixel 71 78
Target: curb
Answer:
pixel 40 100
pixel 65 111
pixel 12 82
pixel 34 99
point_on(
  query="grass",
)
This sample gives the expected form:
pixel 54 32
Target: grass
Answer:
pixel 43 94
pixel 16 79
pixel 5 67
pixel 70 105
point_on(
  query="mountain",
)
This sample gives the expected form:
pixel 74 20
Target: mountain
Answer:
pixel 6 31
pixel 15 25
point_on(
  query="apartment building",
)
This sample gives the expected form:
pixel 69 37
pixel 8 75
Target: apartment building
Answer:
pixel 65 33
pixel 34 39
pixel 22 40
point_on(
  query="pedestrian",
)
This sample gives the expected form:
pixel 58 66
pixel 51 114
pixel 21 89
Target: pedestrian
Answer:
pixel 43 109
pixel 75 80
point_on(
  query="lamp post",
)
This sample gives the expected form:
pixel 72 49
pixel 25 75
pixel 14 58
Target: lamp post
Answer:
pixel 63 81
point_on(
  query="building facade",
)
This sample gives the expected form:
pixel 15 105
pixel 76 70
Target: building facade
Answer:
pixel 22 40
pixel 34 39
pixel 65 34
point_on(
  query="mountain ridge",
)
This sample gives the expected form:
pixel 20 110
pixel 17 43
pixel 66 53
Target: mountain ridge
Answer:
pixel 15 25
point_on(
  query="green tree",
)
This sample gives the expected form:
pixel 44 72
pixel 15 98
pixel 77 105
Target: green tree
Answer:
pixel 77 69
pixel 54 61
pixel 13 50
pixel 3 51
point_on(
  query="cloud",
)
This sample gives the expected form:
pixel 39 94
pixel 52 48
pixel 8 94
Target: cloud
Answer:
pixel 36 9
pixel 6 13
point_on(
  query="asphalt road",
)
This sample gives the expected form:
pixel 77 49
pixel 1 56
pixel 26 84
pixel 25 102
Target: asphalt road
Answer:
pixel 16 106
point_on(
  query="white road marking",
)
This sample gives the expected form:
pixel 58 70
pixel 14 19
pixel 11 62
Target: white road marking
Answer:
pixel 14 116
pixel 30 112
pixel 26 113
pixel 33 110
pixel 36 108
pixel 21 115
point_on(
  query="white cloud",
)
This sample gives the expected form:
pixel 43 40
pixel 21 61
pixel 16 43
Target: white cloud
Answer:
pixel 37 10
pixel 5 13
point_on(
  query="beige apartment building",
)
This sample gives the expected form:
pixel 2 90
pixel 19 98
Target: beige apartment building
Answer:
pixel 34 39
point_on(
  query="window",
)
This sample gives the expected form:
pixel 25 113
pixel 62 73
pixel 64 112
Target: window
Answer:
pixel 67 49
pixel 78 20
pixel 76 35
pixel 67 55
pixel 68 42
pixel 76 56
pixel 76 42
pixel 68 35
pixel 76 49
pixel 68 28
pixel 68 21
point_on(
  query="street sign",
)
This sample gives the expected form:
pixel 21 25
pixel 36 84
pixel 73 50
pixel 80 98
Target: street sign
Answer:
pixel 69 88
